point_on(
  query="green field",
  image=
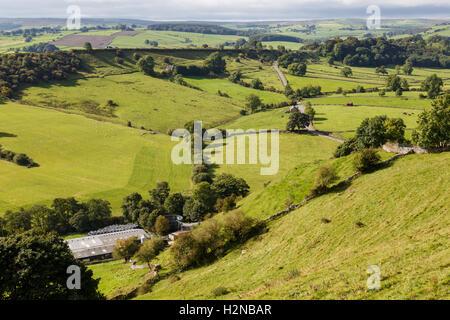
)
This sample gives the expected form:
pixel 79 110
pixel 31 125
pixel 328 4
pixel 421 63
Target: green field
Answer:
pixel 294 149
pixel 235 91
pixel 340 119
pixel 145 101
pixel 401 226
pixel 172 39
pixel 81 157
pixel 409 99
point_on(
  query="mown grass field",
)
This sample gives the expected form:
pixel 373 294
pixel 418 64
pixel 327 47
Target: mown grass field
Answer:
pixel 81 157
pixel 145 101
pixel 340 118
pixel 303 258
pixel 409 99
pixel 235 91
pixel 294 149
pixel 330 79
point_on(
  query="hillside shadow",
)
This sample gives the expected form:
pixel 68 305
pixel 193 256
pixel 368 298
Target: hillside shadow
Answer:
pixel 7 135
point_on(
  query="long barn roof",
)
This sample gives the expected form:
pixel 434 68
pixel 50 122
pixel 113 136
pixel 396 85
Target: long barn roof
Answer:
pixel 101 244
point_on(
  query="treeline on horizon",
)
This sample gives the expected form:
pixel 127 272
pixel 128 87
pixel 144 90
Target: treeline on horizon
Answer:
pixel 374 52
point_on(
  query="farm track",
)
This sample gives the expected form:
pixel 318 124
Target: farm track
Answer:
pixel 280 73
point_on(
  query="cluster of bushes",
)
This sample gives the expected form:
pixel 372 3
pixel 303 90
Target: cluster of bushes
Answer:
pixel 297 69
pixel 293 57
pixel 20 159
pixel 209 195
pixel 214 64
pixel 20 68
pixel 212 194
pixel 196 28
pixel 308 91
pixel 63 216
pixel 373 133
pixel 41 47
pixel 372 52
pixel 275 37
pixel 212 239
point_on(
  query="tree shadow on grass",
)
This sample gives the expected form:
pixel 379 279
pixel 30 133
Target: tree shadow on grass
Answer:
pixel 7 135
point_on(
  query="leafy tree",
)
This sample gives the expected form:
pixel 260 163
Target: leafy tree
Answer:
pixel 257 84
pixel 174 204
pixel 297 69
pixel 150 249
pixel 129 205
pixel 408 68
pixel 346 72
pixel 394 82
pixel 194 210
pixel 366 160
pixel 215 63
pixel 160 193
pixel 371 132
pixel 297 120
pixel 205 194
pixel 253 103
pixel 226 185
pixel 162 225
pixel 34 267
pixel 235 76
pixel 126 248
pixel 16 222
pixel 432 85
pixel 433 128
pixel 394 129
pixel 146 65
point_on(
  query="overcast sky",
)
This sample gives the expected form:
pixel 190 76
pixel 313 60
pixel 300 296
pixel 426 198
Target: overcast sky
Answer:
pixel 226 9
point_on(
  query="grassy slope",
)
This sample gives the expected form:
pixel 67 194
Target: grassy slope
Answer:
pixel 235 91
pixel 294 149
pixel 81 157
pixel 405 234
pixel 145 101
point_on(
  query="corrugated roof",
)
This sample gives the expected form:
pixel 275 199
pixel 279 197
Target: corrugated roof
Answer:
pixel 102 243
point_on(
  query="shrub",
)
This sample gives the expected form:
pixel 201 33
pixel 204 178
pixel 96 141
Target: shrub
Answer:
pixel 150 249
pixel 126 248
pixel 366 160
pixel 325 176
pixel 162 225
pixel 211 239
pixel 219 291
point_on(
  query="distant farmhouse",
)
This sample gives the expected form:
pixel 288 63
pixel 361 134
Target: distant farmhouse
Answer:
pixel 101 246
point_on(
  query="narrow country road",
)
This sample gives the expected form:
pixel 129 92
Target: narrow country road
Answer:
pixel 280 74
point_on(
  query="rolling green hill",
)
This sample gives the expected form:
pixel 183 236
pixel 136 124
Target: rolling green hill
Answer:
pixel 81 157
pixel 395 218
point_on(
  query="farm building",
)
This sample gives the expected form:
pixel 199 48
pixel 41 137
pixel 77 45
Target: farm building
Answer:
pixel 101 246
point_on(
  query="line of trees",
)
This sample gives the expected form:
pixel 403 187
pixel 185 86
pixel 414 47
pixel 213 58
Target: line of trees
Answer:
pixel 64 216
pixel 20 159
pixel 23 68
pixel 373 52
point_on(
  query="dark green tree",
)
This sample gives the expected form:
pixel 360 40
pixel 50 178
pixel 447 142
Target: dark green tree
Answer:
pixel 297 120
pixel 34 267
pixel 432 85
pixel 146 65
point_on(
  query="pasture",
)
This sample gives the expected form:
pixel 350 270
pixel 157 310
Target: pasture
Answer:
pixel 81 157
pixel 145 101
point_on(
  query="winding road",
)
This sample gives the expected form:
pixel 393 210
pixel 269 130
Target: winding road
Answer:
pixel 280 74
